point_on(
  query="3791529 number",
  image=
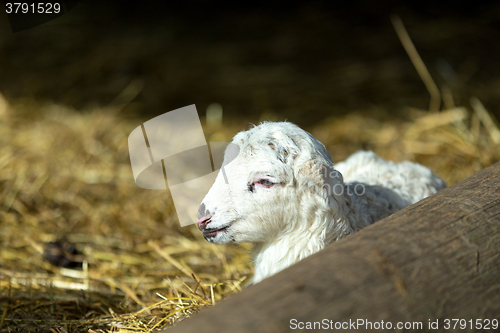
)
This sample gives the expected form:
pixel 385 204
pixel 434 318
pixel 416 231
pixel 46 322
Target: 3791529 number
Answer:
pixel 485 324
pixel 32 8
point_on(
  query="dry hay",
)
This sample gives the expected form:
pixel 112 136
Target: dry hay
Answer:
pixel 66 175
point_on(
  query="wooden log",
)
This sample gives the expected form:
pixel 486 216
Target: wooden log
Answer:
pixel 434 261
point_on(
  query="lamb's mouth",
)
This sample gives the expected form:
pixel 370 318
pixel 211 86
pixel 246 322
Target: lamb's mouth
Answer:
pixel 208 233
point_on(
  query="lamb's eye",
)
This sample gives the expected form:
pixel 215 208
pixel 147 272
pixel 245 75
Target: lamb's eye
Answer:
pixel 265 182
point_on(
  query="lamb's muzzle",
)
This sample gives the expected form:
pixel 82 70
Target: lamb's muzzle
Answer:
pixel 283 193
pixel 204 217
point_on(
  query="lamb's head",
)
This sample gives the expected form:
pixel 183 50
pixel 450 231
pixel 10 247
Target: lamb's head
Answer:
pixel 281 182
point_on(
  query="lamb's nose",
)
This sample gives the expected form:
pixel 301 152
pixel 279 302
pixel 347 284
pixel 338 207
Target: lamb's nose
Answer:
pixel 202 222
pixel 204 217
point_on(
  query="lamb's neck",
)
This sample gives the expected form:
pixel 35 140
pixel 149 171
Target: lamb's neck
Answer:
pixel 272 257
pixel 353 215
pixel 352 212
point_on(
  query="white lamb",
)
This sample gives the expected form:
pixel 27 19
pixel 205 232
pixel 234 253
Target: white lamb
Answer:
pixel 283 193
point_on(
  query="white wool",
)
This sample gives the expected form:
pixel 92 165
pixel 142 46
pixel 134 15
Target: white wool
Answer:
pixel 312 204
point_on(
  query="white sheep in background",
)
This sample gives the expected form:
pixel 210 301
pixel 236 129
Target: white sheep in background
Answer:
pixel 284 194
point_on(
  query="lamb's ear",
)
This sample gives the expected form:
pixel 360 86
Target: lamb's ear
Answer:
pixel 309 175
pixel 327 183
pixel 316 177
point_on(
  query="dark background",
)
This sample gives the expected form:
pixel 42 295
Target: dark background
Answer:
pixel 301 61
